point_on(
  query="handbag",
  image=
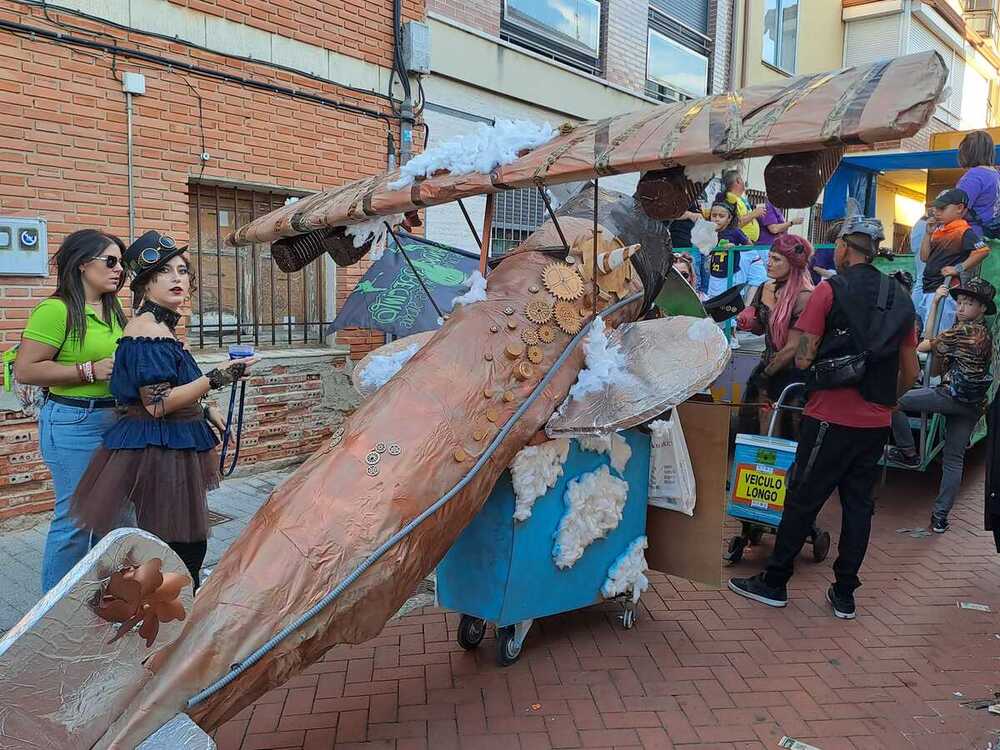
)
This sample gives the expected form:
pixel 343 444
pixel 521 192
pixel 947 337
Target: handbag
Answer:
pixel 849 369
pixel 30 397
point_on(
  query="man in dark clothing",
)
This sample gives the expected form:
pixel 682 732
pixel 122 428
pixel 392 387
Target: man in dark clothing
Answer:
pixel 860 314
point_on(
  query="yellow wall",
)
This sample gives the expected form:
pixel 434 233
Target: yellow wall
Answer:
pixel 952 139
pixel 820 41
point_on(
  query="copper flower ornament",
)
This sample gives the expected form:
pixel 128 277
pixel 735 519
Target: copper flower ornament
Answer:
pixel 142 595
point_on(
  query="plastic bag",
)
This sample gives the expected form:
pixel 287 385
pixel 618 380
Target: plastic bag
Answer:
pixel 671 476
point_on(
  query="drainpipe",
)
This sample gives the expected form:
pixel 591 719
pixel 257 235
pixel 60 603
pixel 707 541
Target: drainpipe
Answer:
pixel 406 129
pixel 133 84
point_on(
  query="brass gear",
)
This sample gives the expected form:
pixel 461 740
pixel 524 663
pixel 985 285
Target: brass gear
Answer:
pixel 529 336
pixel 535 355
pixel 538 311
pixel 562 281
pixel 546 335
pixel 567 318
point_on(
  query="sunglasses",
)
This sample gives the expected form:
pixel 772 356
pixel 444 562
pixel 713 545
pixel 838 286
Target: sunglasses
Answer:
pixel 150 256
pixel 111 261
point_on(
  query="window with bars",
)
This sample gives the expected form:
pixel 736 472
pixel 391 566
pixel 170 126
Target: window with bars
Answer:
pixel 241 295
pixel 516 214
pixel 676 59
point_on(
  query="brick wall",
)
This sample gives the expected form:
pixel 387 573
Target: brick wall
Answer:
pixel 625 36
pixel 63 157
pixel 483 15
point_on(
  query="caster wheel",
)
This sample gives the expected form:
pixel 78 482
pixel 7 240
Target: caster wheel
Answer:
pixel 735 553
pixel 629 616
pixel 821 546
pixel 470 632
pixel 508 650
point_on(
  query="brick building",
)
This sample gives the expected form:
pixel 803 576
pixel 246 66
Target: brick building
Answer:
pixel 284 97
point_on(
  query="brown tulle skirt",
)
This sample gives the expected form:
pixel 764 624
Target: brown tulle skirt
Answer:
pixel 167 488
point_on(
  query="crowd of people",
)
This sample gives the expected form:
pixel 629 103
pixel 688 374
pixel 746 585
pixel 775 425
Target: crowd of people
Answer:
pixel 854 339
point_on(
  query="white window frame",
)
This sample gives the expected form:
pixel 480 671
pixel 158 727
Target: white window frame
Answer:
pixel 682 48
pixel 778 63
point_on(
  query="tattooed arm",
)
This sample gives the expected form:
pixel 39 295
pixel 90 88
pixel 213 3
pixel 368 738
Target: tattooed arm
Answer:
pixel 805 353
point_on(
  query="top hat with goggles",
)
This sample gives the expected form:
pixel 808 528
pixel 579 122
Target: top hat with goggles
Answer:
pixel 148 254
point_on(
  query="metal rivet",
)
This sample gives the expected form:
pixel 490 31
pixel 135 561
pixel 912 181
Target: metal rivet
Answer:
pixel 489 393
pixel 533 289
pixel 508 310
pixel 488 356
pixel 492 415
pixel 494 329
pixel 512 325
pixel 372 458
pixel 508 396
pixel 479 435
pixel 460 455
pixel 515 350
pixel 394 450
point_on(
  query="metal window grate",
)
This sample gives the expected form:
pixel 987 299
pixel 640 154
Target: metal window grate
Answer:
pixel 241 295
pixel 516 214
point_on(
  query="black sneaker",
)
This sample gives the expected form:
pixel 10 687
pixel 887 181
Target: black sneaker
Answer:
pixel 939 524
pixel 757 588
pixel 898 456
pixel 843 605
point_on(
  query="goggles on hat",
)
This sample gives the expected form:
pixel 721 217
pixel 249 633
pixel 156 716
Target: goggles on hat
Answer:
pixel 150 256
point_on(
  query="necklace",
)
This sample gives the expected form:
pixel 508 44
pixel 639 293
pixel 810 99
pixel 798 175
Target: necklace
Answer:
pixel 161 314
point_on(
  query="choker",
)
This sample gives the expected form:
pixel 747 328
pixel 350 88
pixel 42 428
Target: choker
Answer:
pixel 161 314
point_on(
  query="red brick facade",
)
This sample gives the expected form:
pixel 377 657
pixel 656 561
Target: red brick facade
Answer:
pixel 63 157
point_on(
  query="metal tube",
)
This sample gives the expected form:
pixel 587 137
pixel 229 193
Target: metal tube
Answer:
pixel 552 215
pixel 393 540
pixel 218 262
pixel 273 291
pixel 468 220
pixel 236 260
pixel 131 179
pixel 414 269
pixel 201 285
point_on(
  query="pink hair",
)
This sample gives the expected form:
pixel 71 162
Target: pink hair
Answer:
pixel 797 250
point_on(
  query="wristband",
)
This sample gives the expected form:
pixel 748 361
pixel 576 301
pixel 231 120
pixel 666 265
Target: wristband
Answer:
pixel 959 268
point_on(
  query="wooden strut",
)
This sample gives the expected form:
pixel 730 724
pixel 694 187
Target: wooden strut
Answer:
pixel 415 271
pixel 468 220
pixel 594 279
pixel 484 243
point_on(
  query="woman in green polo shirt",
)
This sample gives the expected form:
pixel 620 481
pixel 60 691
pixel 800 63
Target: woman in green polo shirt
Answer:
pixel 68 347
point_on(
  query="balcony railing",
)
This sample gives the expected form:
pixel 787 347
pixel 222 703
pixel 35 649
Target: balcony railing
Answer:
pixel 981 15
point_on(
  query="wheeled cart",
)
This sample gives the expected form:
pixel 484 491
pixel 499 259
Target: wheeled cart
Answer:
pixel 502 571
pixel 757 486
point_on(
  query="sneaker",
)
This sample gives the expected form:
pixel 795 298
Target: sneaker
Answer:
pixel 843 605
pixel 756 588
pixel 939 524
pixel 899 456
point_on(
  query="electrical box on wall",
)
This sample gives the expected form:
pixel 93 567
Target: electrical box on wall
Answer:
pixel 417 47
pixel 24 247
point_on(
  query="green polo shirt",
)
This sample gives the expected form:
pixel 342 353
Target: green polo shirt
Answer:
pixel 47 325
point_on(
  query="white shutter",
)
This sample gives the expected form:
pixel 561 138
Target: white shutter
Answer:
pixel 872 39
pixel 923 40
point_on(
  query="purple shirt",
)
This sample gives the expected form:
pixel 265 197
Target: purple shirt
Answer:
pixel 772 215
pixel 982 184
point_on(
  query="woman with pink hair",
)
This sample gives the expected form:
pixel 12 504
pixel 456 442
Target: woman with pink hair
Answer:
pixel 775 309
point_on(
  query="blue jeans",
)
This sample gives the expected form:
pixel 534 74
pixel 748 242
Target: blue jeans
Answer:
pixel 69 436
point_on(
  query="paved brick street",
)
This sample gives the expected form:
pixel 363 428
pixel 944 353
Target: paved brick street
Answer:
pixel 702 668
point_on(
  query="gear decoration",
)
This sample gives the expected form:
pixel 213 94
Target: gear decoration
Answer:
pixel 394 450
pixel 372 458
pixel 337 438
pixel 546 335
pixel 538 311
pixel 567 318
pixel 373 471
pixel 381 447
pixel 529 336
pixel 535 354
pixel 562 281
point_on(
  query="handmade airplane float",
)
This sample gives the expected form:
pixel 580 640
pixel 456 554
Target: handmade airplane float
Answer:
pixel 339 547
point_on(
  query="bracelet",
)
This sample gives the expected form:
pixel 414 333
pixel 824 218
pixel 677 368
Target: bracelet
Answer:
pixel 85 371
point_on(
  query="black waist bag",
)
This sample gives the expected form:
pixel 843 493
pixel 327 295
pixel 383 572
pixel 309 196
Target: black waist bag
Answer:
pixel 849 369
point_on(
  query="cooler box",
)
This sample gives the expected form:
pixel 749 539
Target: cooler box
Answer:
pixel 758 480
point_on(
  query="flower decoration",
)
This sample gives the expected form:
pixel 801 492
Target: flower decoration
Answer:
pixel 142 595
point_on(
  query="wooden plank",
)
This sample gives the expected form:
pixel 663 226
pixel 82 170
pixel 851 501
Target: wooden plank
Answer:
pixel 691 546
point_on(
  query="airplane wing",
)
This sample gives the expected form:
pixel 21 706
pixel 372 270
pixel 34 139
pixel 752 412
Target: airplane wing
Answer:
pixel 887 100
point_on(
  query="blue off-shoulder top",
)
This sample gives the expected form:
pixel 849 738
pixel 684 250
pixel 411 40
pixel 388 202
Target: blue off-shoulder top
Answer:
pixel 141 361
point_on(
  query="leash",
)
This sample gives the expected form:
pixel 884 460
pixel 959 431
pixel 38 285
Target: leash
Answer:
pixel 238 351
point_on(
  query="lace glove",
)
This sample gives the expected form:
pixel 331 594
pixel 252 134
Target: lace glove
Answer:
pixel 220 378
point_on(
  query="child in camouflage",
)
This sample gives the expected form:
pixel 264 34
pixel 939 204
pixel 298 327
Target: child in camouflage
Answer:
pixel 964 354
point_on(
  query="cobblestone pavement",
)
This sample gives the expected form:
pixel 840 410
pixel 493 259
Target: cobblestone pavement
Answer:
pixel 22 541
pixel 702 669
